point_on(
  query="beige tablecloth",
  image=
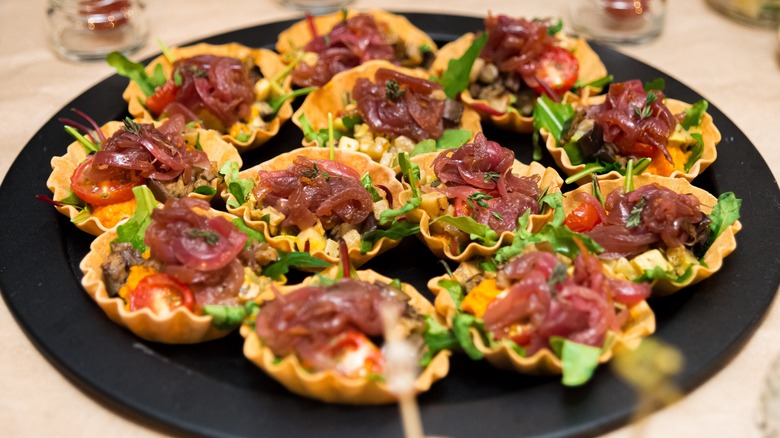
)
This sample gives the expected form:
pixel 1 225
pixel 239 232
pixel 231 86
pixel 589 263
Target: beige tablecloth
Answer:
pixel 734 67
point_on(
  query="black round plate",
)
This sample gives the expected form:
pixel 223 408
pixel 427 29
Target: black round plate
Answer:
pixel 210 389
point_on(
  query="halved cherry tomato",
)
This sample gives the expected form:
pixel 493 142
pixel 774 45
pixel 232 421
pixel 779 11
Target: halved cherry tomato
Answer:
pixel 355 355
pixel 558 68
pixel 162 96
pixel 98 187
pixel 583 218
pixel 161 293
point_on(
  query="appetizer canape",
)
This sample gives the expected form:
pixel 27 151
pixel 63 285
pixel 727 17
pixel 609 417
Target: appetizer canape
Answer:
pixel 503 71
pixel 180 273
pixel 310 199
pixel 470 198
pixel 381 110
pixel 93 182
pixel 664 136
pixel 240 92
pixel 540 312
pixel 324 338
pixel 665 231
pixel 326 45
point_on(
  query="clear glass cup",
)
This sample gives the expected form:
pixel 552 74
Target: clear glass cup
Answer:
pixel 316 7
pixel 83 30
pixel 755 13
pixel 617 21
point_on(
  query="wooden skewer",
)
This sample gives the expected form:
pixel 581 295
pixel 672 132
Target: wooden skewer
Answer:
pixel 401 371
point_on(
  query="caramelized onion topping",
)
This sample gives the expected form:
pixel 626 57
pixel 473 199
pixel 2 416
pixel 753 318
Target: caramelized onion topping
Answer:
pixel 479 177
pixel 157 153
pixel 579 307
pixel 218 85
pixel 651 216
pixel 197 250
pixel 396 104
pixel 349 44
pixel 309 190
pixel 305 321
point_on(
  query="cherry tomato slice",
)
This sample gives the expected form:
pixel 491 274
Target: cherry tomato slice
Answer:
pixel 583 218
pixel 355 354
pixel 97 187
pixel 161 293
pixel 162 96
pixel 558 68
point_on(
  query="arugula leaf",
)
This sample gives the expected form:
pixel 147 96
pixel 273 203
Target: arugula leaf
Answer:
pixel 205 190
pixel 424 147
pixel 461 325
pixel 137 73
pixel 596 83
pixel 228 317
pixel 552 116
pixel 656 84
pixel 368 184
pixel 396 231
pixel 437 338
pixel 578 361
pixel 390 214
pixel 555 28
pixel 88 145
pixel 693 115
pixel 659 273
pixel 574 153
pixel 277 102
pixel 453 138
pixel 73 199
pixel 456 78
pixel 254 235
pixel 292 259
pixel 455 289
pixel 475 230
pixel 349 122
pixel 411 171
pixel 134 229
pixel 696 151
pixel 560 237
pixel 554 201
pixel 240 188
pixel 723 215
pixel 319 137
